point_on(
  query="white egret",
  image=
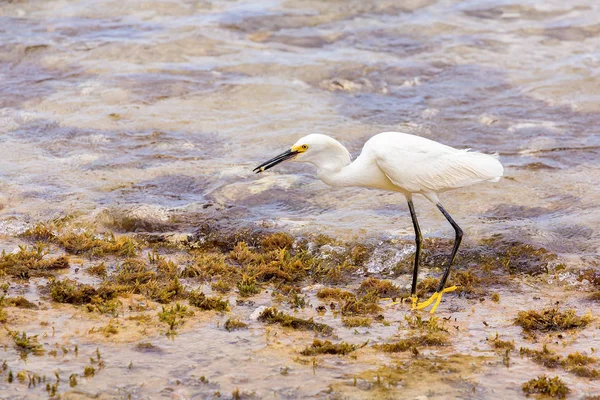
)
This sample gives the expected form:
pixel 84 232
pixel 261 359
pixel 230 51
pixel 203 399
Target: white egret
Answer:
pixel 403 163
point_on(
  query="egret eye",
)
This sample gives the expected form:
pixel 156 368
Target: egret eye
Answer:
pixel 304 147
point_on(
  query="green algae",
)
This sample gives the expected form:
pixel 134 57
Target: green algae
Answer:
pixel 26 345
pixel 221 286
pixel 70 291
pixel 577 359
pixel 284 266
pixel 272 316
pixel 467 282
pixel 110 329
pixel 499 344
pixel 585 372
pixel 551 319
pixel 420 372
pixel 575 363
pixel 545 357
pixel 553 387
pixel 20 302
pixel 354 322
pixel 134 276
pixel 174 316
pixel 337 294
pixel 425 333
pixel 89 371
pixel 147 347
pixel 319 347
pixel 427 286
pixel 514 257
pixel 98 270
pixel 414 342
pixel 277 241
pixel 247 286
pixel 379 288
pixel 591 275
pixel 30 262
pixel 97 245
pixel 233 324
pixel 433 324
pixel 200 300
pixel 41 232
pixel 208 266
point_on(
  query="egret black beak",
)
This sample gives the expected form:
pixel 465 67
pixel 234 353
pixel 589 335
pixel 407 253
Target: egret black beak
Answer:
pixel 275 160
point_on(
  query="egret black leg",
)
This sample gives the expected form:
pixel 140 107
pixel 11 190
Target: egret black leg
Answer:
pixel 418 240
pixel 457 240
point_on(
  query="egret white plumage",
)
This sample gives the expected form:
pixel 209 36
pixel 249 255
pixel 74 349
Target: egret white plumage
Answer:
pixel 403 163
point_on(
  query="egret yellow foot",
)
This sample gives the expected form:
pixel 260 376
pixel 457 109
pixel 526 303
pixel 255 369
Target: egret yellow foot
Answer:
pixel 393 303
pixel 414 300
pixel 436 297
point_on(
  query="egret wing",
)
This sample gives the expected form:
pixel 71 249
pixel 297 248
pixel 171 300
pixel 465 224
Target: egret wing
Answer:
pixel 436 169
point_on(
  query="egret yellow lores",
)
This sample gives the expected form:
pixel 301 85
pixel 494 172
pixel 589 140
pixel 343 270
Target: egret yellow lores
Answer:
pixel 403 163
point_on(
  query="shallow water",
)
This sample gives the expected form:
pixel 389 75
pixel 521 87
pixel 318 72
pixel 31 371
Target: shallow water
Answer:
pixel 150 115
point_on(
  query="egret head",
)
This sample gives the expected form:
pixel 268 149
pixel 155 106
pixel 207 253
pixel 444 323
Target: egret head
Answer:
pixel 314 148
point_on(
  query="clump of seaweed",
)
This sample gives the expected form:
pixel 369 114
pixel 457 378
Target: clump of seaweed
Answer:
pixel 247 286
pixel 147 347
pixel 3 314
pixel 379 288
pixel 105 306
pixel 499 344
pixel 97 245
pixel 551 319
pixel 70 291
pixel 427 286
pixel 233 324
pixel 277 241
pixel 110 329
pixel 467 282
pixel 414 341
pixel 326 347
pixel 337 294
pixel 20 302
pixel 40 233
pixel 174 316
pixel 89 371
pixel 553 387
pixel 426 333
pixel 222 286
pixel 545 357
pixel 203 302
pixel 416 322
pixel 354 322
pixel 26 345
pixel 30 262
pixel 272 316
pixel 585 372
pixel 209 266
pixel 361 306
pixel 578 360
pixel 135 276
pixel 575 363
pixel 520 258
pixel 98 270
